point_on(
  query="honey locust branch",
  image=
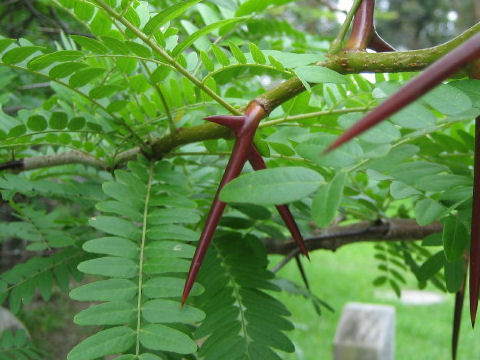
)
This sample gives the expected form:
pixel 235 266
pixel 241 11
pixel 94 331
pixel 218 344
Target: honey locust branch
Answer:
pixel 345 63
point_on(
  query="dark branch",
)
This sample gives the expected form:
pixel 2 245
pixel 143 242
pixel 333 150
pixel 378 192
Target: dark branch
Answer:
pixel 334 237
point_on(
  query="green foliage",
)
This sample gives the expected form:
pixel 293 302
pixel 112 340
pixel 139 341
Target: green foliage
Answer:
pixel 141 75
pixel 17 346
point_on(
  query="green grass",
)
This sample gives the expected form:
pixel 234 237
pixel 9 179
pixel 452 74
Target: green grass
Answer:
pixel 422 332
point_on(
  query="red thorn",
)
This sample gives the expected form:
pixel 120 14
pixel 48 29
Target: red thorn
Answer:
pixel 457 318
pixel 475 229
pixel 431 77
pixel 244 141
pixel 362 28
pixel 233 122
pixel 379 45
pixel 258 164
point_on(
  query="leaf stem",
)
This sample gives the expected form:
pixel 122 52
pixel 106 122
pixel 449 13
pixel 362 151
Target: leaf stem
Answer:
pixel 140 264
pixel 171 122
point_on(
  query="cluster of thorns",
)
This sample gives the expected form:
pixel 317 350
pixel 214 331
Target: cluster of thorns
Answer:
pixel 363 37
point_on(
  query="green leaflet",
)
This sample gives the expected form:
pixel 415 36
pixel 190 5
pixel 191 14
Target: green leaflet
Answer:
pixel 132 258
pixel 115 246
pixel 105 290
pixel 414 116
pixel 116 226
pixel 327 200
pixel 455 238
pixel 383 133
pixel 204 31
pixel 319 75
pixel 251 6
pixel 237 53
pixel 448 100
pixel 110 313
pixel 470 87
pixel 43 61
pixel 454 275
pixel 37 123
pixel 168 311
pixel 153 337
pixel 399 190
pixel 84 76
pixel 257 54
pixel 19 54
pixel 292 60
pixel 173 215
pixel 167 15
pixel 106 342
pixel 428 210
pixel 430 267
pixel 272 186
pixel 88 43
pixel 344 156
pixel 110 266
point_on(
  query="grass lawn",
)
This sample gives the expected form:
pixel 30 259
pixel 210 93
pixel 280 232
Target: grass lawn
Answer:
pixel 422 332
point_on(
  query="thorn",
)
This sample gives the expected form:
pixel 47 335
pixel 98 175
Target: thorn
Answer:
pixel 475 229
pixel 427 80
pixel 233 122
pixel 380 45
pixel 362 28
pixel 457 317
pixel 244 141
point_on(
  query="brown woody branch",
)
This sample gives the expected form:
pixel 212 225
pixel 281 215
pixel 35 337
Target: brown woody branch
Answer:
pixel 334 237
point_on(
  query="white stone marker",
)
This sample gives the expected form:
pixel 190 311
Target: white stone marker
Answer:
pixel 8 321
pixel 365 332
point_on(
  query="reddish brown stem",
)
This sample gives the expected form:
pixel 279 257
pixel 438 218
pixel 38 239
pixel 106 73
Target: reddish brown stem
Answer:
pixel 245 134
pixel 431 77
pixel 475 229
